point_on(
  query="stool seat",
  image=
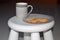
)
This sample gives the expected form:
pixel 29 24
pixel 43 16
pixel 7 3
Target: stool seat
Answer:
pixel 16 24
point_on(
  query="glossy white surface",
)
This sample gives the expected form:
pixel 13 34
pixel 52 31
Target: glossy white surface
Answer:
pixel 48 35
pixel 22 10
pixel 16 24
pixel 13 35
pixel 21 3
pixel 35 36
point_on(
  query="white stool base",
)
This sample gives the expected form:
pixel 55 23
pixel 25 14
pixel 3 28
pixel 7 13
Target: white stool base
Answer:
pixel 13 35
pixel 35 36
pixel 48 35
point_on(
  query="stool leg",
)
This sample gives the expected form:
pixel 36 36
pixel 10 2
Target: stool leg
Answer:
pixel 48 35
pixel 27 36
pixel 35 36
pixel 13 35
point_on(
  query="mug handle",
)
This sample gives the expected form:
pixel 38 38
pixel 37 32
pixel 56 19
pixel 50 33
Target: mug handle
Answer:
pixel 30 10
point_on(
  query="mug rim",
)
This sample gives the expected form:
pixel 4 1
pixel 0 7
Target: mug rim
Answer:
pixel 21 3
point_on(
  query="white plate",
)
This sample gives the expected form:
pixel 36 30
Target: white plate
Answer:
pixel 50 18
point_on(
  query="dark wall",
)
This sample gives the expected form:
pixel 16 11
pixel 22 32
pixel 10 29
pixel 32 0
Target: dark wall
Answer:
pixel 44 2
pixel 58 1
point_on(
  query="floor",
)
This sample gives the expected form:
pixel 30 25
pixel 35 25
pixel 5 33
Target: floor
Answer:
pixel 7 10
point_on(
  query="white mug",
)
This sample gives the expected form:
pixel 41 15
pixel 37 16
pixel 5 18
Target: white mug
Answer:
pixel 22 9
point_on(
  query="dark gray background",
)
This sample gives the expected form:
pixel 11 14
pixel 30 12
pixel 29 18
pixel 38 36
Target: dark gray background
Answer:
pixel 7 10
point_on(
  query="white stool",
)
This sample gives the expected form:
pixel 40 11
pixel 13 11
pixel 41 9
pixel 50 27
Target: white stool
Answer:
pixel 19 26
